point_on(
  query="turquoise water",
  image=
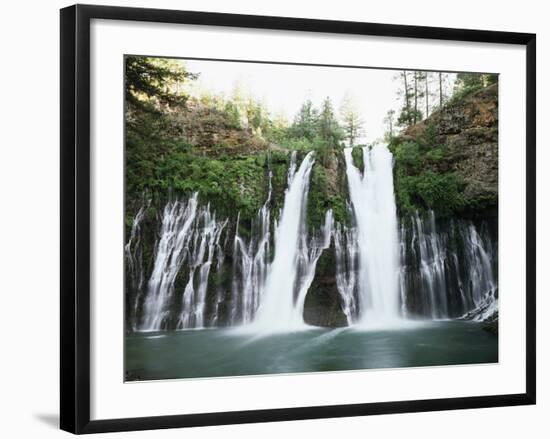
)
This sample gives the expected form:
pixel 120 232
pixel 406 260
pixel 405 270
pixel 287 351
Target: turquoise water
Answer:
pixel 229 352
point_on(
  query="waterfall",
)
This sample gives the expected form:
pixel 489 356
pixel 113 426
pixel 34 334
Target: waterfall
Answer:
pixel 134 258
pixel 372 198
pixel 206 243
pixel 251 265
pixel 447 271
pixel 277 307
pixel 426 267
pixel 481 287
pixel 188 234
pixel 189 243
pixel 345 247
pixel 169 255
pixel 432 266
pixel 309 253
pixel 131 249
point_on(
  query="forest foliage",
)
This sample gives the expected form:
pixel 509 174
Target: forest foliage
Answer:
pixel 420 182
pixel 225 147
pixel 416 183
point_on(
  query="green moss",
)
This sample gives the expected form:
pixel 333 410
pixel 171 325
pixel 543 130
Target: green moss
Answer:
pixel 322 198
pixel 128 221
pixel 318 201
pixel 357 157
pixel 230 184
pixel 403 191
pixel 219 279
pixel 278 164
pixel 481 203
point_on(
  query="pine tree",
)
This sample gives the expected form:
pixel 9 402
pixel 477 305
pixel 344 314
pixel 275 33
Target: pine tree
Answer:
pixel 155 80
pixel 427 92
pixel 409 92
pixel 418 95
pixel 440 78
pixel 351 121
pixel 406 113
pixel 471 81
pixel 305 122
pixel 328 128
pixel 389 120
pixel 237 103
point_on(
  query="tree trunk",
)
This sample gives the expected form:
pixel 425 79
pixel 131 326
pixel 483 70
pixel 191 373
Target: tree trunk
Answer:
pixel 440 89
pixel 407 101
pixel 427 96
pixel 415 97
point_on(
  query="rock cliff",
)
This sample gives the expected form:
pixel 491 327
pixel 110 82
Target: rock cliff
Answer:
pixel 450 160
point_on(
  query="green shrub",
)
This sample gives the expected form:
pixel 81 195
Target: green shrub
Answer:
pixel 428 190
pixel 417 185
pixel 439 191
pixel 462 93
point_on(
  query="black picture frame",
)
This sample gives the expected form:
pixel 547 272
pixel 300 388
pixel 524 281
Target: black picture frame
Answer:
pixel 75 217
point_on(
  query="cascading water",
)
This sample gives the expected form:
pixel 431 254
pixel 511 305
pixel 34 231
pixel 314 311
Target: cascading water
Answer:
pixel 277 309
pixel 188 234
pixel 308 255
pixel 206 234
pixel 131 248
pixel 481 290
pixel 447 273
pixel 481 257
pixel 170 253
pixel 427 268
pixel 250 266
pixel 346 250
pixel 432 266
pixel 134 258
pixel 372 198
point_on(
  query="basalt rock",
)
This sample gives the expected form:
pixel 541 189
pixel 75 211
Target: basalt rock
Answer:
pixel 468 130
pixel 322 306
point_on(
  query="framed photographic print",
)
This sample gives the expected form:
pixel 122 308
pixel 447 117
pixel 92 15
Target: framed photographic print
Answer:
pixel 305 218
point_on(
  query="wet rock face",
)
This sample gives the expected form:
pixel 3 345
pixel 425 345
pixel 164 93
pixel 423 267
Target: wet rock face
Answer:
pixel 322 306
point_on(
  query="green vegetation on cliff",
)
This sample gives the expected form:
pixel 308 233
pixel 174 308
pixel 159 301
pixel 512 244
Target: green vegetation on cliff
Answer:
pixel 175 143
pixel 448 162
pixel 416 184
pixel 357 156
pixel 324 194
pixel 223 147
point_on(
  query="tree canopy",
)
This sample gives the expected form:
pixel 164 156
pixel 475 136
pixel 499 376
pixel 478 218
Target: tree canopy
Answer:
pixel 155 79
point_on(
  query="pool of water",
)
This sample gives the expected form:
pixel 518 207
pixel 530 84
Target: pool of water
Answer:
pixel 234 352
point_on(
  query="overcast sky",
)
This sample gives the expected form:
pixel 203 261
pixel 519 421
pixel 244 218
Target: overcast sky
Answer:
pixel 283 88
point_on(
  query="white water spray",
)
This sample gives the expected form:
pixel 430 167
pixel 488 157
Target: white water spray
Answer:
pixel 170 253
pixel 372 197
pixel 277 309
pixel 250 266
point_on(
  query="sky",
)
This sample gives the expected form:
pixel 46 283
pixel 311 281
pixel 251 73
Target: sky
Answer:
pixel 283 88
